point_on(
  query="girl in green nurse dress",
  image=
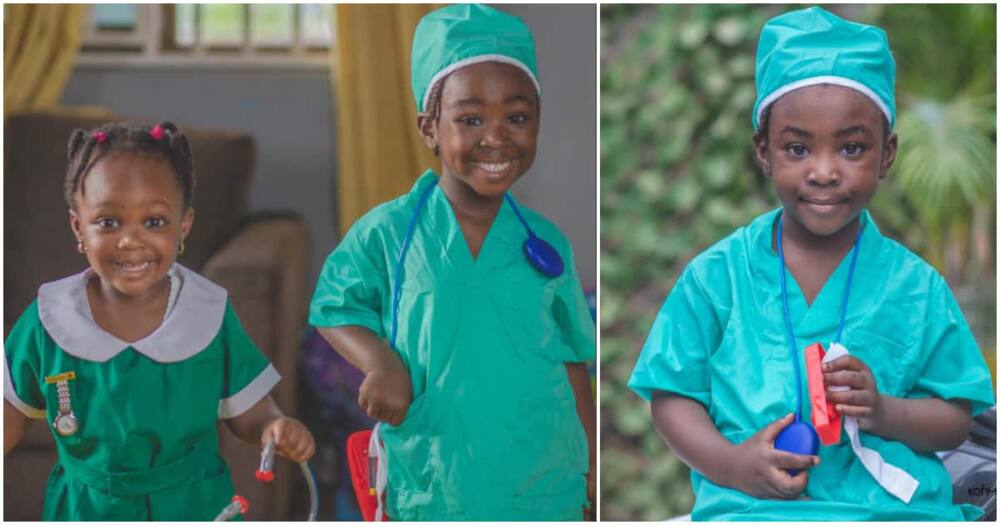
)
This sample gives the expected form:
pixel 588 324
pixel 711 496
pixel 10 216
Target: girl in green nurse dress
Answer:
pixel 722 363
pixel 489 350
pixel 133 361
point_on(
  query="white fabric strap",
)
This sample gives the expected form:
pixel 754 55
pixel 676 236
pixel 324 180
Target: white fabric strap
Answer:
pixel 893 479
pixel 377 450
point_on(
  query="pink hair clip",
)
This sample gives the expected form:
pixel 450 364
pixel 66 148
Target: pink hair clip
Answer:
pixel 156 132
pixel 99 136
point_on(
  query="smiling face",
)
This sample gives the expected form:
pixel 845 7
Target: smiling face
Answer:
pixel 130 217
pixel 487 130
pixel 825 149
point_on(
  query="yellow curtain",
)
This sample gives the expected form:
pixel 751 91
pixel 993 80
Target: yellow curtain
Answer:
pixel 379 151
pixel 39 46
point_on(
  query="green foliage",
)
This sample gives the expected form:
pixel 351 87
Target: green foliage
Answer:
pixel 678 174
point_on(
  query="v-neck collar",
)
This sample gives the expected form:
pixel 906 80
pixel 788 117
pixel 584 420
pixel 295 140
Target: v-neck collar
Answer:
pixel 191 323
pixel 496 248
pixel 812 318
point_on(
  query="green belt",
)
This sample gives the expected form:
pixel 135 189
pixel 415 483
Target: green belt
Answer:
pixel 142 482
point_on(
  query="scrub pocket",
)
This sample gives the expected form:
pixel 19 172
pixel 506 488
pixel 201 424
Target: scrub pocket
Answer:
pixel 890 361
pixel 527 316
pixel 409 447
pixel 551 447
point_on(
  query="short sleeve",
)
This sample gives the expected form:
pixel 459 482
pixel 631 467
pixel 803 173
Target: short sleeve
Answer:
pixel 572 315
pixel 249 376
pixel 350 286
pixel 952 365
pixel 22 365
pixel 683 336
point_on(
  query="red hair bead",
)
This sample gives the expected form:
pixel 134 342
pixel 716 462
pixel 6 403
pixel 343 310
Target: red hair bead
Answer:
pixel 99 136
pixel 156 132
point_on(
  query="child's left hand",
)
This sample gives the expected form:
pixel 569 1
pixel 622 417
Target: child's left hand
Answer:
pixel 863 400
pixel 291 438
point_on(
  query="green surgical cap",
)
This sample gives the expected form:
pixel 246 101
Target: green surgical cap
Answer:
pixel 814 46
pixel 464 34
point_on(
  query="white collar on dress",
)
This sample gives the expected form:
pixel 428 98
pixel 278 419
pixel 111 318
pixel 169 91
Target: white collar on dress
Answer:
pixel 191 323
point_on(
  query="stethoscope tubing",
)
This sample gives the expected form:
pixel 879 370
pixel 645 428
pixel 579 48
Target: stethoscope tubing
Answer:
pixel 792 345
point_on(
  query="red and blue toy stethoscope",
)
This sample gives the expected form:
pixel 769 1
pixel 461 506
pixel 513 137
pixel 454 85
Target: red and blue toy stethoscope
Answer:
pixel 265 473
pixel 800 437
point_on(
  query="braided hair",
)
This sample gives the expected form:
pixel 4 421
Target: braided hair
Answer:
pixel 433 108
pixel 86 148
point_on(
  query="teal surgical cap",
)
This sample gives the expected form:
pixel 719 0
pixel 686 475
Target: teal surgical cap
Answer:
pixel 814 46
pixel 464 34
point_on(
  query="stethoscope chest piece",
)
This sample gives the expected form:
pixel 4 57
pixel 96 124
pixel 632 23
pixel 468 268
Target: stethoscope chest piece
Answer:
pixel 798 438
pixel 543 257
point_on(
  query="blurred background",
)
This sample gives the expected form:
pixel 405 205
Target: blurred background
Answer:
pixel 301 119
pixel 677 175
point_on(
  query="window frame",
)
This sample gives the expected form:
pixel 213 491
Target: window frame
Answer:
pixel 151 44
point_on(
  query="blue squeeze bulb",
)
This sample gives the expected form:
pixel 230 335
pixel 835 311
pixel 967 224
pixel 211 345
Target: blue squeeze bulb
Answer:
pixel 543 256
pixel 798 438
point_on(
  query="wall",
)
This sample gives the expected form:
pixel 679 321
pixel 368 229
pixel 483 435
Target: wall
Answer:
pixel 562 183
pixel 289 112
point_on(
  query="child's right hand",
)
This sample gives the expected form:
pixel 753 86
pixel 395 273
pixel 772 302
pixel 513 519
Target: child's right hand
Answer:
pixel 760 470
pixel 386 393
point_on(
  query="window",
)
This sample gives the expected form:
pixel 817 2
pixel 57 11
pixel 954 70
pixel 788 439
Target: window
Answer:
pixel 217 34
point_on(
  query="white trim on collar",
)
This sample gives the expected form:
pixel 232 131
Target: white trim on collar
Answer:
pixel 189 326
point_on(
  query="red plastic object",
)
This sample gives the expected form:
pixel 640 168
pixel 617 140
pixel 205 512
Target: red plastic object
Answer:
pixel 363 481
pixel 825 417
pixel 266 477
pixel 244 506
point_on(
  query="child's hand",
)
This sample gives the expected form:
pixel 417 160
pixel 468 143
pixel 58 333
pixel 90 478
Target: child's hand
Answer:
pixel 291 439
pixel 761 470
pixel 862 400
pixel 386 393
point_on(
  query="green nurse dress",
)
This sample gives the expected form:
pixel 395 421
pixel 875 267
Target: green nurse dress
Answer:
pixel 720 340
pixel 492 433
pixel 146 446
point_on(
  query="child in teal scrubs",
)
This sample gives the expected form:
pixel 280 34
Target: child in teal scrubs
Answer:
pixel 481 389
pixel 724 361
pixel 133 361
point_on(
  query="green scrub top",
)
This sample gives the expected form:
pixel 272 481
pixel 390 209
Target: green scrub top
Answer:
pixel 146 446
pixel 720 339
pixel 493 432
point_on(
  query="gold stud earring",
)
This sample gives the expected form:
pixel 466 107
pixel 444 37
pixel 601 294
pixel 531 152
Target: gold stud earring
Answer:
pixel 180 249
pixel 79 246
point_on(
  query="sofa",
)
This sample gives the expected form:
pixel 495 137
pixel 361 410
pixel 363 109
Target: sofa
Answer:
pixel 260 260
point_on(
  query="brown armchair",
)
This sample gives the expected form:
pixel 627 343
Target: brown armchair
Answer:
pixel 261 261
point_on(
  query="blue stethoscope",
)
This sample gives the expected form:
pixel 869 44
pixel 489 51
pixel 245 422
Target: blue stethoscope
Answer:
pixel 539 253
pixel 800 437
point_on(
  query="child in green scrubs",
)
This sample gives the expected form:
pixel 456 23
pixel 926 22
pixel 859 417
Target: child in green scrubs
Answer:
pixel 723 364
pixel 134 360
pixel 482 390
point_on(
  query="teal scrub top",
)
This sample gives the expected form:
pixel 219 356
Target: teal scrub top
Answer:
pixel 146 446
pixel 720 339
pixel 493 432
